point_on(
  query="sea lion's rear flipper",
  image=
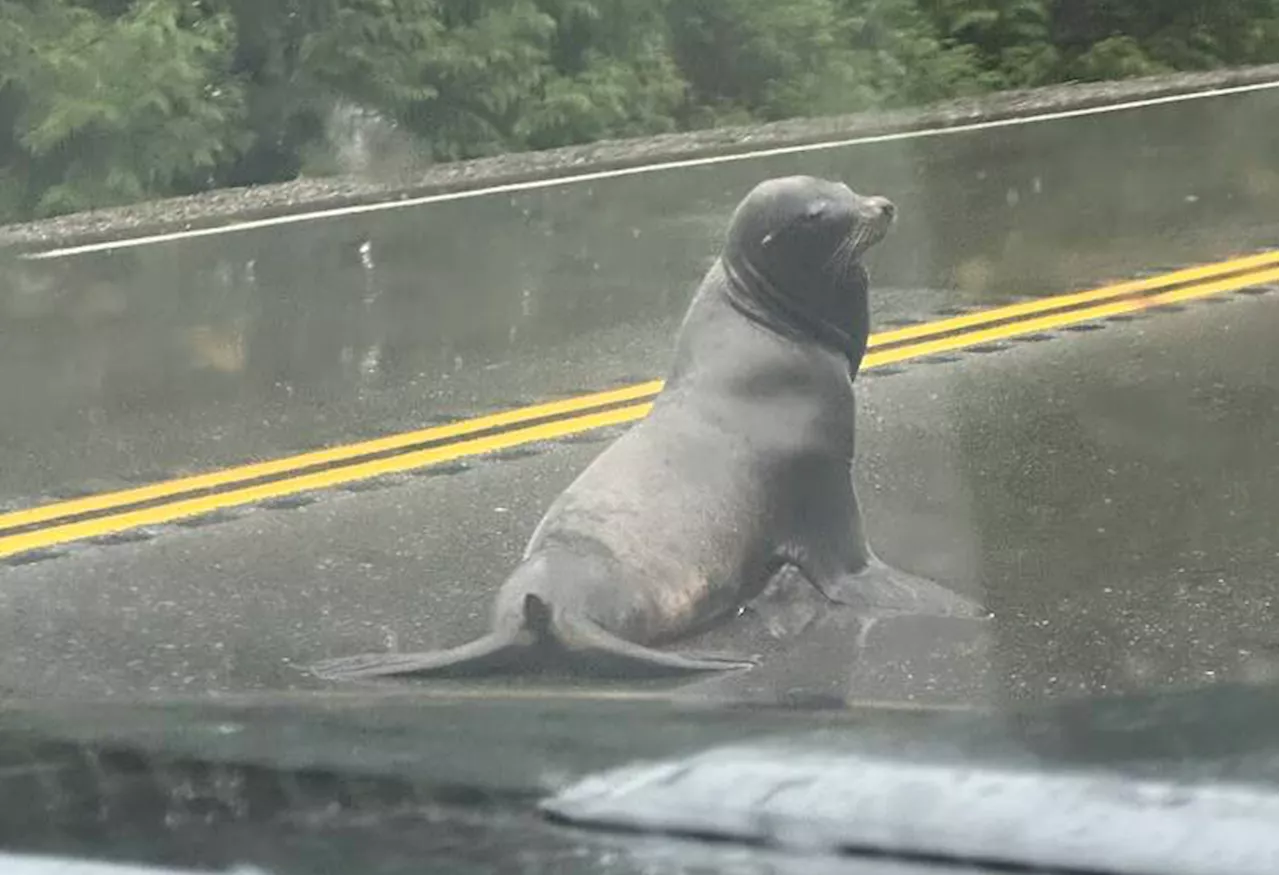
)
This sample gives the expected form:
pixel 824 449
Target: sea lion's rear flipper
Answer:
pixel 495 653
pixel 540 642
pixel 592 650
pixel 508 650
pixel 883 588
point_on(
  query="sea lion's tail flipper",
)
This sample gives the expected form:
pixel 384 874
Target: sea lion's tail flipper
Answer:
pixel 881 587
pixel 540 641
pixel 509 649
pixel 594 651
pixel 492 654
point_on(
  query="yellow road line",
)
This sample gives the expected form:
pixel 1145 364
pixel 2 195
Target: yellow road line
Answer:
pixel 319 480
pixel 322 479
pixel 1057 320
pixel 1026 308
pixel 226 476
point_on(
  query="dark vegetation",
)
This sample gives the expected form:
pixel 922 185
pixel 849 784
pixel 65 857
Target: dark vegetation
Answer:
pixel 106 102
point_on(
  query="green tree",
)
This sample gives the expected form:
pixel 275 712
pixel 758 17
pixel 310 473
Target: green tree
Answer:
pixel 1114 38
pixel 902 58
pixel 612 74
pixel 1034 42
pixel 99 110
pixel 283 110
pixel 760 59
pixel 1011 38
pixel 454 73
pixel 755 59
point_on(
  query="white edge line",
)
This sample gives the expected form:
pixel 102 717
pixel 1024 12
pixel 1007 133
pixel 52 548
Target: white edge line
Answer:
pixel 678 164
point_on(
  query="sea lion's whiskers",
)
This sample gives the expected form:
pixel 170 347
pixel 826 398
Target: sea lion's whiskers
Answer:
pixel 855 247
pixel 834 256
pixel 849 250
pixel 846 249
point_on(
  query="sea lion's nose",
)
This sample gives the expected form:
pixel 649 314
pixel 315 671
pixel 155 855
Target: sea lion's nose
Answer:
pixel 882 206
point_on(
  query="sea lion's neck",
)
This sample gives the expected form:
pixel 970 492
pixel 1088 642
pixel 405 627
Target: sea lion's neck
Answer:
pixel 752 295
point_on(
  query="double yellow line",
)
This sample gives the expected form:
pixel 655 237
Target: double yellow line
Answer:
pixel 98 515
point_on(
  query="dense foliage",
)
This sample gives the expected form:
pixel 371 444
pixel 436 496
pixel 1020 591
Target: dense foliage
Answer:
pixel 111 101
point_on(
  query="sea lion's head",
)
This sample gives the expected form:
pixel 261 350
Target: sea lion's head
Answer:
pixel 794 253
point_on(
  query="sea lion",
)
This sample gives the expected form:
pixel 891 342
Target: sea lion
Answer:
pixel 743 468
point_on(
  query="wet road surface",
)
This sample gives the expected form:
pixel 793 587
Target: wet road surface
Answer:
pixel 127 367
pixel 1110 494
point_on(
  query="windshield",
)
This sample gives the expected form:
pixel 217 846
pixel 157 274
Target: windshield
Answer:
pixel 826 353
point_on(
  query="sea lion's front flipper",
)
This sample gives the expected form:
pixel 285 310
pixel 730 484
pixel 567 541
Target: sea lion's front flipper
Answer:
pixel 492 654
pixel 883 588
pixel 789 603
pixel 594 651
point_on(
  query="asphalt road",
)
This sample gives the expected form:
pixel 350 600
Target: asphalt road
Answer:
pixel 125 367
pixel 1109 494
